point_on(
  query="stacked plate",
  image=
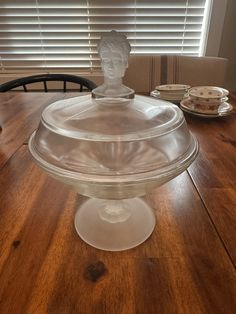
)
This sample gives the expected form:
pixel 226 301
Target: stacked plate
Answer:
pixel 209 101
pixel 171 92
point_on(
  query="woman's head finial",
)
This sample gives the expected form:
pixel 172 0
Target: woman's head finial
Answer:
pixel 114 42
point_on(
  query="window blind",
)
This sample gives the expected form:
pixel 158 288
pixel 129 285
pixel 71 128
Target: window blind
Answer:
pixel 54 34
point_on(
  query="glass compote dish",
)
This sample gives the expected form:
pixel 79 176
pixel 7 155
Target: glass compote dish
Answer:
pixel 113 147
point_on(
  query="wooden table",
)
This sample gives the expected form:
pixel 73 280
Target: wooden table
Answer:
pixel 186 266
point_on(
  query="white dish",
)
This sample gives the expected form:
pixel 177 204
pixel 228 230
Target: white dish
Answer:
pixel 173 94
pixel 202 106
pixel 173 98
pixel 172 87
pixel 223 110
pixel 207 92
pixel 207 101
pixel 155 94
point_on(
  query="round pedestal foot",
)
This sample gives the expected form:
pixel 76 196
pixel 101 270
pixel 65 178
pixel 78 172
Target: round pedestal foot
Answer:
pixel 114 225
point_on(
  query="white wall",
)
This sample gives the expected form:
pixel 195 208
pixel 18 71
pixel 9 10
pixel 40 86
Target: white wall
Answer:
pixel 222 37
pixel 227 47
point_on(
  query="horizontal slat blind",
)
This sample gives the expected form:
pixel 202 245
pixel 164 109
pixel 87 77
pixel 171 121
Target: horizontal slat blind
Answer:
pixel 54 34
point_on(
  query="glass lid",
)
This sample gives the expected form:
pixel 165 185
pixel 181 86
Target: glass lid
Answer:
pixel 111 119
pixel 113 135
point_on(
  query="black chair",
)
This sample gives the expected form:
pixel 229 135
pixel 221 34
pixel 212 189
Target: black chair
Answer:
pixel 85 84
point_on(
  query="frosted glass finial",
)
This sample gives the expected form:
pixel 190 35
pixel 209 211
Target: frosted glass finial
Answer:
pixel 113 49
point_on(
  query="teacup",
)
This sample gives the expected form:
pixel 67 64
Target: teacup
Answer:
pixel 208 93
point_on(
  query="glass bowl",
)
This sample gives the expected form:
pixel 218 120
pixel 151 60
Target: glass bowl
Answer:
pixel 114 151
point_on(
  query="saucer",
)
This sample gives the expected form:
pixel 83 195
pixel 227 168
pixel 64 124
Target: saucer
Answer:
pixel 224 110
pixel 155 93
pixel 171 98
pixel 172 88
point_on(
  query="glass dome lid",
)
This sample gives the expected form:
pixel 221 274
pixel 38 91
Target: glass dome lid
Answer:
pixel 111 119
pixel 113 135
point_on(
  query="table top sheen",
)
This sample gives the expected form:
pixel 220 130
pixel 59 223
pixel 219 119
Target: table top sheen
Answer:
pixel 186 266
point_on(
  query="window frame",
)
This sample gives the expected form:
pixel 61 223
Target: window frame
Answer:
pixel 217 10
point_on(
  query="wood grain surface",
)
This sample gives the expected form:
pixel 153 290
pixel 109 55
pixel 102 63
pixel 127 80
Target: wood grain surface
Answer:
pixel 19 116
pixel 214 174
pixel 186 266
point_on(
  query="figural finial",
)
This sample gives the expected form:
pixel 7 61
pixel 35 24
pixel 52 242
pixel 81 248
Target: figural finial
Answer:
pixel 114 50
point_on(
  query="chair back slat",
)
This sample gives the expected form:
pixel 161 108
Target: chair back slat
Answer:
pixel 49 77
pixel 45 86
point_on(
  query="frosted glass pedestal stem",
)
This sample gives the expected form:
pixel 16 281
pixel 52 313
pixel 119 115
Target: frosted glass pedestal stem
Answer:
pixel 115 225
pixel 114 211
